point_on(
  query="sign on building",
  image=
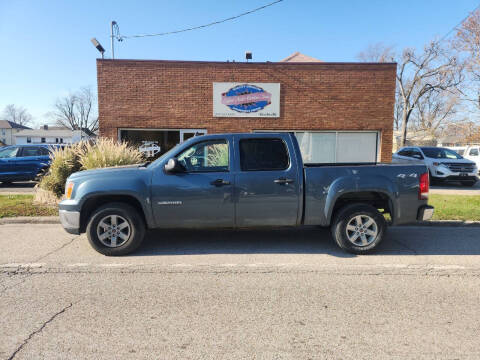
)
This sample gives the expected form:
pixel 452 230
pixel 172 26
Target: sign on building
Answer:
pixel 246 99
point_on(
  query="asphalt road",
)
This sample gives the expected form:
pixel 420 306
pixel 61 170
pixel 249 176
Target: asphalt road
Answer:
pixel 278 294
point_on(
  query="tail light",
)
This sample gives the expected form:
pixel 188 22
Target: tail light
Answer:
pixel 424 187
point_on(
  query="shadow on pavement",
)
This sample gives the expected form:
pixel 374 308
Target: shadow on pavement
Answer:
pixel 309 240
pixel 18 185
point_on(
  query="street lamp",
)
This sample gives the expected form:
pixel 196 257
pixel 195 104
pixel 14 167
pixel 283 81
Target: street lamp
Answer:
pixel 98 46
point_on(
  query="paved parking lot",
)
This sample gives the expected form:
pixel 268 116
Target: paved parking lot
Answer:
pixel 17 188
pixel 277 294
pixel 455 189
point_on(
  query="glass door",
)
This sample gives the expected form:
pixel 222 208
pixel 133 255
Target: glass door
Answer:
pixel 189 133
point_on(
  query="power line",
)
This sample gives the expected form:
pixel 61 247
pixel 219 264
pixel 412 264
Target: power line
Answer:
pixel 121 37
pixel 460 23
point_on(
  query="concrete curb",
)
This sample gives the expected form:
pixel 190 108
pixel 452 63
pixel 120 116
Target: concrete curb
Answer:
pixel 31 220
pixel 457 223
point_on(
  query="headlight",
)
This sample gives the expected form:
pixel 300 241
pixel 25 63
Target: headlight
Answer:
pixel 69 190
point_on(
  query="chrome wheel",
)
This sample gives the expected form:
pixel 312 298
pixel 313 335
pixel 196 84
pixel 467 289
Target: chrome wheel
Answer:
pixel 113 230
pixel 362 230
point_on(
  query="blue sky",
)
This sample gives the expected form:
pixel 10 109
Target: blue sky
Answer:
pixel 45 49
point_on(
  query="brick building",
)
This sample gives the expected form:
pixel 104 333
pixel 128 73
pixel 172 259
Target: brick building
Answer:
pixel 340 112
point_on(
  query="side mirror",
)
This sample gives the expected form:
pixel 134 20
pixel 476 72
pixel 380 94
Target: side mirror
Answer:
pixel 416 156
pixel 173 166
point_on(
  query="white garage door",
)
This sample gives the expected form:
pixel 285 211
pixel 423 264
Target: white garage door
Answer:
pixel 338 147
pixel 329 147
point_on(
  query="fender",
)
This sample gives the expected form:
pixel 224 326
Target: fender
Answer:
pixel 360 183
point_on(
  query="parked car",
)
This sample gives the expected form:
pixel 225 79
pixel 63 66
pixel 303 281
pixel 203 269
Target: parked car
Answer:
pixel 470 152
pixel 23 162
pixel 242 181
pixel 443 164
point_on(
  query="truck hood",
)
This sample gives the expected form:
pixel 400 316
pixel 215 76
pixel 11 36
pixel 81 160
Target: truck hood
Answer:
pixel 110 171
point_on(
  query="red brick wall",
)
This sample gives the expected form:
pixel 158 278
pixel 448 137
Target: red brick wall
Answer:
pixel 315 96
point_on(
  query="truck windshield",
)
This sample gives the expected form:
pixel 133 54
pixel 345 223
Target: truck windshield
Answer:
pixel 440 153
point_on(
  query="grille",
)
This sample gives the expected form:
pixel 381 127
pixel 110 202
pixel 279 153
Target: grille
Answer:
pixel 460 167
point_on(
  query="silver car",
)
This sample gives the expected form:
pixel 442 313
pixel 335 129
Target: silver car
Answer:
pixel 443 164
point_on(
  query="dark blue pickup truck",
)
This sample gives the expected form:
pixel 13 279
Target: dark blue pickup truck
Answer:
pixel 23 162
pixel 242 181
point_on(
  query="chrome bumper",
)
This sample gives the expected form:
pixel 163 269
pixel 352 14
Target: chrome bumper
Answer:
pixel 70 221
pixel 425 213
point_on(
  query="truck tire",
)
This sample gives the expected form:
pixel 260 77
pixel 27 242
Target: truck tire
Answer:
pixel 115 229
pixel 358 228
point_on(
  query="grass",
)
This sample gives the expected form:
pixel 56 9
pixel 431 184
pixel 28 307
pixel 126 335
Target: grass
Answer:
pixel 455 207
pixel 22 205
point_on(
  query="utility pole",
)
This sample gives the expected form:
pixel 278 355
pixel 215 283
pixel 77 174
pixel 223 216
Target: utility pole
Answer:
pixel 111 38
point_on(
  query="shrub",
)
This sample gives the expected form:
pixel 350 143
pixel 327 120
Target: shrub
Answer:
pixel 106 153
pixel 86 156
pixel 64 163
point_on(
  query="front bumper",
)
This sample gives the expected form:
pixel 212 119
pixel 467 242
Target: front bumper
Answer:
pixel 443 173
pixel 425 213
pixel 70 221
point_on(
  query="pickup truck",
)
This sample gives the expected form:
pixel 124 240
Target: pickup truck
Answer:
pixel 242 181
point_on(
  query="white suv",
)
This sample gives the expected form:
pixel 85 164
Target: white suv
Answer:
pixel 443 164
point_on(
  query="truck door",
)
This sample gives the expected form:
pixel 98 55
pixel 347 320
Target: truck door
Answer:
pixel 202 195
pixel 268 185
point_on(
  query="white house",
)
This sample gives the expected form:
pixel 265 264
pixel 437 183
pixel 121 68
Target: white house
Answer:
pixel 8 129
pixel 53 135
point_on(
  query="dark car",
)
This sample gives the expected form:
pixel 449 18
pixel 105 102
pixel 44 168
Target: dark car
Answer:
pixel 24 162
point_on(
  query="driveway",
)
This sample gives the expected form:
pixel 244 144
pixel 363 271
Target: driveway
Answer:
pixel 278 294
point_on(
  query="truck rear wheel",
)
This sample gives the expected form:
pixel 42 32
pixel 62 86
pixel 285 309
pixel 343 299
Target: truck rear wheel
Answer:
pixel 358 228
pixel 115 229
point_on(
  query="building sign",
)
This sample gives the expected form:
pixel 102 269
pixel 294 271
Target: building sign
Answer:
pixel 246 99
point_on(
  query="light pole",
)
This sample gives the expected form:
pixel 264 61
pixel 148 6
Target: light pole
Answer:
pixel 112 24
pixel 98 46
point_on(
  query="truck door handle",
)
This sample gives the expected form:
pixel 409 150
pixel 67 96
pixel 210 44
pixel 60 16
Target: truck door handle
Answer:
pixel 283 181
pixel 220 182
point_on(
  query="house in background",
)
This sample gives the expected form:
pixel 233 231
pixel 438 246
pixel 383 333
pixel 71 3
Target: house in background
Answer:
pixel 52 135
pixel 8 129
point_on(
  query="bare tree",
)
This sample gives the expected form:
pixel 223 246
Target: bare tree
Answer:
pixel 434 69
pixel 436 111
pixel 17 114
pixel 467 40
pixel 377 53
pixel 467 43
pixel 418 75
pixel 76 110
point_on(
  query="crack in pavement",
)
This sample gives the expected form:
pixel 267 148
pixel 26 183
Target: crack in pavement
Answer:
pixel 405 246
pixel 56 250
pixel 25 342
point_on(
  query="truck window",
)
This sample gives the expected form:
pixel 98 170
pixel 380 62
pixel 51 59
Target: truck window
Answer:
pixel 474 152
pixel 204 156
pixel 263 155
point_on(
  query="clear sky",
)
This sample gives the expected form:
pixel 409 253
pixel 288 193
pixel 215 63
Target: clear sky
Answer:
pixel 45 49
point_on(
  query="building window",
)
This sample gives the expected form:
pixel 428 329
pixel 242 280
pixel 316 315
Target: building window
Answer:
pixel 3 131
pixel 56 140
pixel 324 147
pixel 29 140
pixel 43 140
pixel 61 141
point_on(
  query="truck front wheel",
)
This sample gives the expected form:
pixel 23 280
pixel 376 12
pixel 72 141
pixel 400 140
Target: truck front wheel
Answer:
pixel 115 229
pixel 358 228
